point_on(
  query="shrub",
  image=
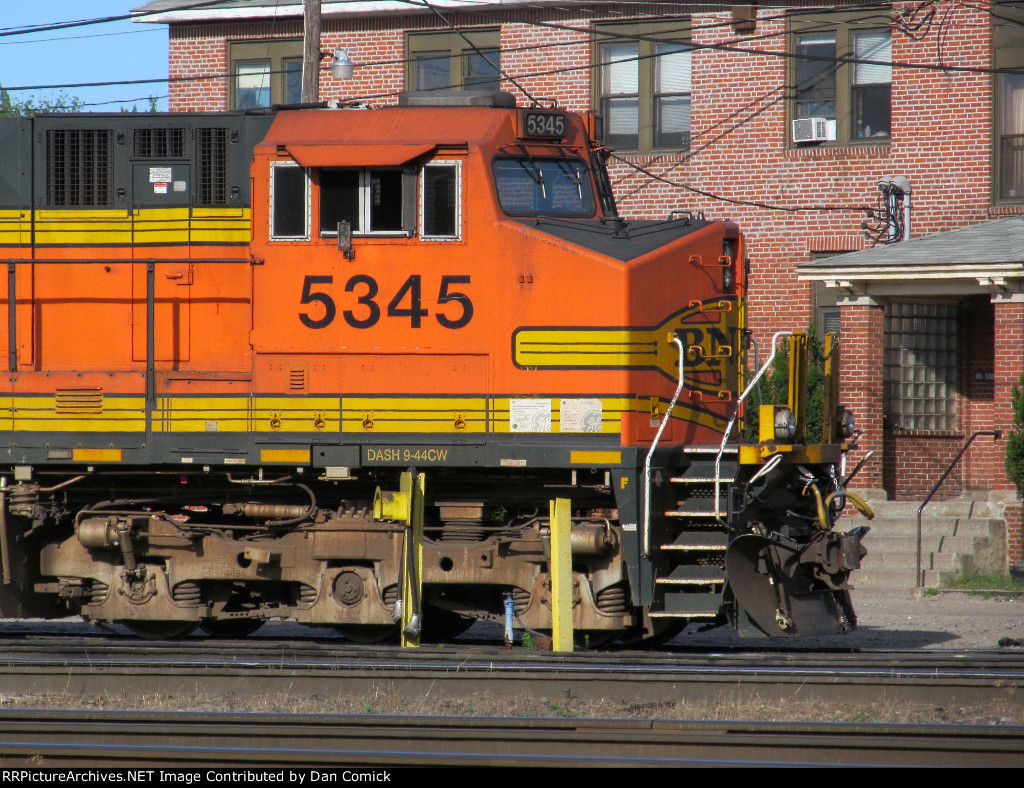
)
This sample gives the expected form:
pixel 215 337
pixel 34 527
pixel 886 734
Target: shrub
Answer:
pixel 1015 440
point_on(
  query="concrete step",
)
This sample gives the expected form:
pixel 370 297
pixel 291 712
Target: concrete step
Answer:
pixel 952 526
pixel 953 508
pixel 882 560
pixel 887 543
pixel 884 577
pixel 886 582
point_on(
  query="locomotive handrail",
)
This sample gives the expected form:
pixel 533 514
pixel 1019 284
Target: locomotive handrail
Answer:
pixel 654 444
pixel 996 434
pixel 732 421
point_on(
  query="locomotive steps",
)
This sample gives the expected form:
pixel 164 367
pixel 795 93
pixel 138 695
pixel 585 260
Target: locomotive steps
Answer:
pixel 958 538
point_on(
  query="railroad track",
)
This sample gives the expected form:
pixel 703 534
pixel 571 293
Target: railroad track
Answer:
pixel 119 666
pixel 280 741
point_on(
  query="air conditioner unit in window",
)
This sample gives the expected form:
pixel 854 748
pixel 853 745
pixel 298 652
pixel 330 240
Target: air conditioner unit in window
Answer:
pixel 813 130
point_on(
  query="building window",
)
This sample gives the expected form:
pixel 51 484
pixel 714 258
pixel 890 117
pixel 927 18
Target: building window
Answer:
pixel 643 86
pixel 872 85
pixel 265 73
pixel 1009 97
pixel 815 88
pixel 439 61
pixel 440 201
pixel 289 202
pixel 854 98
pixel 1011 137
pixel 921 366
pixel 371 201
pixel 252 85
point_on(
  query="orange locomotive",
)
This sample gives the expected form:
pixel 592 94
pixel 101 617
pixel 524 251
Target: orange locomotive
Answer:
pixel 206 429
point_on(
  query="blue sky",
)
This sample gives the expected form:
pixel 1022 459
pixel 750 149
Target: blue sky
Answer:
pixel 95 53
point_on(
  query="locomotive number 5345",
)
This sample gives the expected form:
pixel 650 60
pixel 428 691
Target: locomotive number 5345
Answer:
pixel 407 302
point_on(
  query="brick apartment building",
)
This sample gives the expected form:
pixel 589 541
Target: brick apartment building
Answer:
pixel 699 101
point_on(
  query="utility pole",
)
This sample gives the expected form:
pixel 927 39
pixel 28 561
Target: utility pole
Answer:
pixel 310 51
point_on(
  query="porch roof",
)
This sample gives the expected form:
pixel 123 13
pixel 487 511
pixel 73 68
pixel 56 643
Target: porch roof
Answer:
pixel 982 258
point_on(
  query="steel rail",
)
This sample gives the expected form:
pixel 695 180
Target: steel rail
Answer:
pixel 258 741
pixel 121 669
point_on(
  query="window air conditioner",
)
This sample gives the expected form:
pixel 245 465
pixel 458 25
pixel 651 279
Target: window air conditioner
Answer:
pixel 813 130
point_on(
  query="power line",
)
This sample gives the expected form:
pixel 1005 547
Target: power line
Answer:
pixel 591 33
pixel 79 38
pixel 735 201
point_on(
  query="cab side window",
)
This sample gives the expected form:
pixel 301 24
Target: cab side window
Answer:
pixel 440 201
pixel 289 201
pixel 339 199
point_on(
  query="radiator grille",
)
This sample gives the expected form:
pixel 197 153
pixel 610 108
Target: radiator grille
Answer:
pixel 79 167
pixel 160 143
pixel 212 166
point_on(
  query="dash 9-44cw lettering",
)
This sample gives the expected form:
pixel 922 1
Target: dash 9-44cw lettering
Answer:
pixel 366 312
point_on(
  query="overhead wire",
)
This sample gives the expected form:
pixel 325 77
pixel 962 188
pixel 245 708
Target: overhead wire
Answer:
pixel 737 201
pixel 920 18
pixel 590 33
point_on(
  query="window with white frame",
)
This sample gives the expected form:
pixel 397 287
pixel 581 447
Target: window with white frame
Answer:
pixel 644 85
pixel 921 366
pixel 289 202
pixel 440 201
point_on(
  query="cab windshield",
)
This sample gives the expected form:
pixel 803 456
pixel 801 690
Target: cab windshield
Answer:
pixel 531 186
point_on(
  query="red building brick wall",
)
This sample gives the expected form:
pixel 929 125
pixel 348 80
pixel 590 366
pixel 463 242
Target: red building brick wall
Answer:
pixel 1009 363
pixel 862 355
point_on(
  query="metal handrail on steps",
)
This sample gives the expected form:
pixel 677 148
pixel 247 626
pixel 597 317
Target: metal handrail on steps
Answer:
pixel 996 435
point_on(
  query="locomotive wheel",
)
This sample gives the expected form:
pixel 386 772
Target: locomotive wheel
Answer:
pixel 231 627
pixel 161 630
pixel 368 634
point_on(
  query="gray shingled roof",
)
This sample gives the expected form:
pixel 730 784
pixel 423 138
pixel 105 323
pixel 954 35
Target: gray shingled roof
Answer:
pixel 994 242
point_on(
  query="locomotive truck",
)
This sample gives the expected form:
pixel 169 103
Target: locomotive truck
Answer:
pixel 229 334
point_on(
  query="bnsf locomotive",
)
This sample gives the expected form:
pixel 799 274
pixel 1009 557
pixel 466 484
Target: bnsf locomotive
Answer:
pixel 232 340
